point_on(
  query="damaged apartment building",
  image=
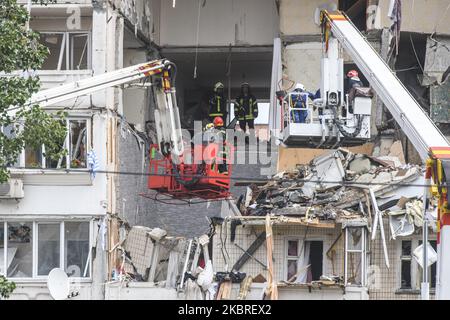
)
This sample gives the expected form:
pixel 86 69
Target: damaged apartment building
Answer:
pixel 327 241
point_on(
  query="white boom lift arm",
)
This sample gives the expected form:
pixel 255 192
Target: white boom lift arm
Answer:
pixel 428 140
pixel 166 114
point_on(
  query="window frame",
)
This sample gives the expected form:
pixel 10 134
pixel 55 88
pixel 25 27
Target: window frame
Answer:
pixel 416 271
pixel 299 240
pixel 62 259
pixel 67 48
pixel 363 252
pixel 68 159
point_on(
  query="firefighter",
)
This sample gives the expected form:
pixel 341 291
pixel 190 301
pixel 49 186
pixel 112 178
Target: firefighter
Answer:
pixel 222 153
pixel 299 99
pixel 353 79
pixel 353 83
pixel 218 103
pixel 246 108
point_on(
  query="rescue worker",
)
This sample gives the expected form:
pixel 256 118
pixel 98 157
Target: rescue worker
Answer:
pixel 353 79
pixel 246 108
pixel 299 99
pixel 218 103
pixel 222 153
pixel 353 83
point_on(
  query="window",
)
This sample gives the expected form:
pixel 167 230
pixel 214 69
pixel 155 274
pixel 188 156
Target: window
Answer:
pixel 406 259
pixel 78 143
pixel 77 140
pixel 8 132
pixel 76 248
pixel 410 271
pixel 68 50
pixel 48 247
pixel 355 259
pixel 33 249
pixel 304 261
pixel 20 250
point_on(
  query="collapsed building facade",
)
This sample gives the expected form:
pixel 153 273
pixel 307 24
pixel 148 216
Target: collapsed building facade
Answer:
pixel 107 236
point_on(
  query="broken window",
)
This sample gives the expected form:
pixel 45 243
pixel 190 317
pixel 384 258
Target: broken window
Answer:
pixel 76 249
pixel 79 51
pixel 48 247
pixel 68 50
pixel 431 269
pixel 77 140
pixel 304 261
pixel 410 270
pixel 355 256
pixel 33 157
pixel 406 258
pixel 78 143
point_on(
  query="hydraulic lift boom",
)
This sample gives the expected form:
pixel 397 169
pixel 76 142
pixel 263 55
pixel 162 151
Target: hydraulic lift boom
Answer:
pixel 428 140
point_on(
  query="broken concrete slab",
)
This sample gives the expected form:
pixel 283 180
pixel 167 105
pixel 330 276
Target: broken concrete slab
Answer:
pixel 360 164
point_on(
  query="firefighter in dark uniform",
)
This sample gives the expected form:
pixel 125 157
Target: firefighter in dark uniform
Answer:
pixel 246 108
pixel 218 103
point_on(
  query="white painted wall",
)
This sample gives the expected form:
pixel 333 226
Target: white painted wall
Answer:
pixel 235 22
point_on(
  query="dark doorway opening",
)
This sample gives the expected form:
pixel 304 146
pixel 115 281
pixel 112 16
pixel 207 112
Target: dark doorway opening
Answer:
pixel 356 11
pixel 316 259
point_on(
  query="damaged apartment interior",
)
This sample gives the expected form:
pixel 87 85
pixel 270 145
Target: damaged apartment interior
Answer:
pixel 330 214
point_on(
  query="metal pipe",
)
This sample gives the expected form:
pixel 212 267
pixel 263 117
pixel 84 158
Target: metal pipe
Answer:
pixel 425 287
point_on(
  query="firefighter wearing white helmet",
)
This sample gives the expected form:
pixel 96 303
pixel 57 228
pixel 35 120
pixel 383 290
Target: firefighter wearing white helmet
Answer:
pixel 299 99
pixel 218 103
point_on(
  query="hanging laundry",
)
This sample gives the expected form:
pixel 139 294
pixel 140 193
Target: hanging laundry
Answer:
pixel 93 163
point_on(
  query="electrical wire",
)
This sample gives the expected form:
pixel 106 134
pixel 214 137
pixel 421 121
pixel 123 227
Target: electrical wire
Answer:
pixel 250 180
pixel 416 55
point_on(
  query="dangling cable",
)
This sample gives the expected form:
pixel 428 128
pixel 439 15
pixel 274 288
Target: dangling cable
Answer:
pixel 198 40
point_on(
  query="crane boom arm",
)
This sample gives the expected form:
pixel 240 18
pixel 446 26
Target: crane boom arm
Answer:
pixel 167 118
pixel 86 86
pixel 407 112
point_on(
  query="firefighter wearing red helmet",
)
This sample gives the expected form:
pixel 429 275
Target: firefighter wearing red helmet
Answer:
pixel 218 125
pixel 353 82
pixel 353 79
pixel 218 122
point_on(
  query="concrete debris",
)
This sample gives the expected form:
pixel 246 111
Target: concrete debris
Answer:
pixel 157 234
pixel 402 222
pixel 360 164
pixel 333 186
pixel 150 255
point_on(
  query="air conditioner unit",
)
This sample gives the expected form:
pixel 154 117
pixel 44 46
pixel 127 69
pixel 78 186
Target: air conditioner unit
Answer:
pixel 12 189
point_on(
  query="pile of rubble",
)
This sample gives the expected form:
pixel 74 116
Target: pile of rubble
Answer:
pixel 333 186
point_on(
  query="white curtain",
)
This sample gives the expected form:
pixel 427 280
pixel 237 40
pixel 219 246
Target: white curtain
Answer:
pixel 302 262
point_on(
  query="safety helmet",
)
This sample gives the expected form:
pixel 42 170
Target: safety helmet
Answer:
pixel 245 84
pixel 299 86
pixel 209 126
pixel 218 85
pixel 352 73
pixel 218 122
